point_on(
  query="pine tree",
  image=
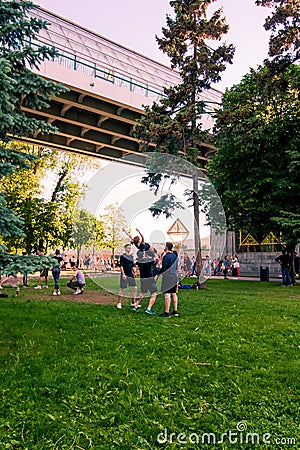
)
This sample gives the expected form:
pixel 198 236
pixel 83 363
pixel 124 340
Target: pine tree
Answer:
pixel 284 24
pixel 174 124
pixel 19 86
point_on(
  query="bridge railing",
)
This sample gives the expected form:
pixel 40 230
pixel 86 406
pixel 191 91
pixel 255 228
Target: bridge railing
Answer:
pixel 109 74
pixel 75 62
pixel 114 77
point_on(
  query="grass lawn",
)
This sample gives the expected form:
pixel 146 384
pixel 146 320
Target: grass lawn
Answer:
pixel 76 375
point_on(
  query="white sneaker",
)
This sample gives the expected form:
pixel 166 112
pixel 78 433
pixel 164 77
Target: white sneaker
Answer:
pixel 38 287
pixel 58 292
pixel 45 287
pixel 1 287
pixel 78 291
pixel 119 306
pixel 54 293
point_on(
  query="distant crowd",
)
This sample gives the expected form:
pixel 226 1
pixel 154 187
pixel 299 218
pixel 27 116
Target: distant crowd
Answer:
pixel 148 265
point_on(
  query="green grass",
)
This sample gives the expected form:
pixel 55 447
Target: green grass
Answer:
pixel 81 376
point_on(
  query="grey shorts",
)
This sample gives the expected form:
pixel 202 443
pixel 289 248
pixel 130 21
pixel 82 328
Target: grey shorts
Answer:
pixel 129 281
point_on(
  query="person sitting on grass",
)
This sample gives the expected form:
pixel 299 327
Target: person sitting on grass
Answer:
pixel 77 281
pixel 138 241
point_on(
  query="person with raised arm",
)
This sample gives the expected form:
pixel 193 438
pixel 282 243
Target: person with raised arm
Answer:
pixel 138 241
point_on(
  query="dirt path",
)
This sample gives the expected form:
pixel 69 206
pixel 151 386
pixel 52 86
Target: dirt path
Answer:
pixel 92 297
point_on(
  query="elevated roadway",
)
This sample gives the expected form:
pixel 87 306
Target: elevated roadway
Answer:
pixel 108 86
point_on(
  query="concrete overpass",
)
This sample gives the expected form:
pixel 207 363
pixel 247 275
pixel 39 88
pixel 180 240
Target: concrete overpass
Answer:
pixel 108 86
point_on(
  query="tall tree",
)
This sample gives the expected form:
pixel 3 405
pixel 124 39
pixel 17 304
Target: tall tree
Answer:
pixel 173 125
pixel 20 86
pixel 284 24
pixel 256 168
pixel 84 231
pixel 47 211
pixel 113 222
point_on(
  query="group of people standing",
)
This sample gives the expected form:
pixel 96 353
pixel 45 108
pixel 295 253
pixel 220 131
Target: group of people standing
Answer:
pixel 76 283
pixel 290 267
pixel 150 266
pixel 227 265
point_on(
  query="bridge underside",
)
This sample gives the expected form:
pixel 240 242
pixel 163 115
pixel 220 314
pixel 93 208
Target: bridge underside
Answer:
pixel 95 126
pixel 88 125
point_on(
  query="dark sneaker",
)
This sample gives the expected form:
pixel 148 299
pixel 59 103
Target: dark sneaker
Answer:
pixel 165 314
pixel 175 313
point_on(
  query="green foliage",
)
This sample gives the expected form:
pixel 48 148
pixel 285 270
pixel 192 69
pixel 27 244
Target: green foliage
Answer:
pixel 284 24
pixel 164 205
pixel 75 375
pixel 20 87
pixel 100 234
pixel 18 56
pixel 186 39
pixel 290 222
pixel 255 167
pixel 174 124
pixel 113 222
pixel 25 264
pixel 84 229
pixel 47 214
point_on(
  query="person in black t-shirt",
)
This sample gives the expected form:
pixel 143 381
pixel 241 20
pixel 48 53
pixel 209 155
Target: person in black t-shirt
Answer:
pixel 127 276
pixel 285 262
pixel 146 263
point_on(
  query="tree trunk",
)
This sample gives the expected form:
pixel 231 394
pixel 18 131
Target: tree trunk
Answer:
pixel 78 254
pixel 197 238
pixel 59 183
pixel 291 251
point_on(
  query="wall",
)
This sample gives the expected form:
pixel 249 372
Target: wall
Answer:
pixel 251 263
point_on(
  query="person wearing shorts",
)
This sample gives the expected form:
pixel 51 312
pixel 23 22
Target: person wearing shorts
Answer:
pixel 127 276
pixel 169 283
pixel 146 264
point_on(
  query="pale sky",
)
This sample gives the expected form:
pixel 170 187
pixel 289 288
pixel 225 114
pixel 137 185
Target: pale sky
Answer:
pixel 134 24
